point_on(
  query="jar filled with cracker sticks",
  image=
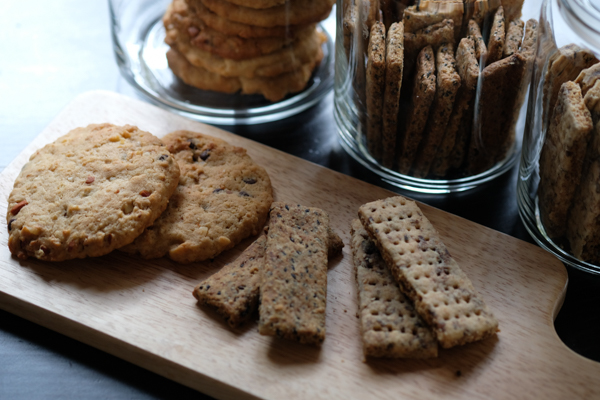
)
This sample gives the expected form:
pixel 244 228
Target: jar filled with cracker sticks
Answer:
pixel 559 176
pixel 226 61
pixel 429 93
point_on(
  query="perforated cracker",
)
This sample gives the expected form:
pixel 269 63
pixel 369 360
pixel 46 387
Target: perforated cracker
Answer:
pixel 389 325
pixel 375 87
pixel 443 295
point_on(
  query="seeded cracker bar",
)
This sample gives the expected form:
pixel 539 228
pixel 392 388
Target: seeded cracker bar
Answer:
pixel 375 87
pixel 233 291
pixel 393 83
pixel 497 37
pixel 514 35
pixel 293 292
pixel 443 295
pixel 389 325
pixel 448 83
pixel 474 33
pixel 453 146
pixel 562 158
pixel 423 94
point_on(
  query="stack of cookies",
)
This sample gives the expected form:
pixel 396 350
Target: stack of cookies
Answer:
pixel 105 187
pixel 443 85
pixel 267 47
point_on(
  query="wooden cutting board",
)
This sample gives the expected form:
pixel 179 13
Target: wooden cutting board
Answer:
pixel 144 312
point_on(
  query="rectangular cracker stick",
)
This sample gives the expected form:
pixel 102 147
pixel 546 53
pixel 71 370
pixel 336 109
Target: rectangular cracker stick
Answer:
pixel 453 146
pixel 375 88
pixel 234 290
pixel 443 295
pixel 423 94
pixel 474 33
pixel 583 223
pixel 393 83
pixel 528 50
pixel 389 324
pixel 562 158
pixel 514 36
pixel 448 83
pixel 497 37
pixel 433 35
pixel 293 291
pixel 500 87
pixel 564 65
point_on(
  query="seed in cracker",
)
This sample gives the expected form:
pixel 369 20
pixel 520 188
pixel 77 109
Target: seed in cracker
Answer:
pixel 393 83
pixel 389 325
pixel 497 37
pixel 562 158
pixel 423 94
pixel 453 146
pixel 514 36
pixel 448 83
pixel 375 87
pixel 564 65
pixel 443 295
pixel 293 291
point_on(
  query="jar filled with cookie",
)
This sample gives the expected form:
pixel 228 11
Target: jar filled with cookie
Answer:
pixel 429 93
pixel 226 61
pixel 559 175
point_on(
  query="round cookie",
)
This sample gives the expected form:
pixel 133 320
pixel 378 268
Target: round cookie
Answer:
pixel 179 17
pixel 302 51
pixel 222 198
pixel 273 89
pixel 296 12
pixel 93 190
pixel 232 28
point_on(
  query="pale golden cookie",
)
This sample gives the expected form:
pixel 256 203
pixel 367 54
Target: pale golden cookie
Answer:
pixel 294 13
pixel 93 190
pixel 273 89
pixel 222 198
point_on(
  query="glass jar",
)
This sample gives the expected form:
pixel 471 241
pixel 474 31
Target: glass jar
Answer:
pixel 429 93
pixel 235 62
pixel 559 175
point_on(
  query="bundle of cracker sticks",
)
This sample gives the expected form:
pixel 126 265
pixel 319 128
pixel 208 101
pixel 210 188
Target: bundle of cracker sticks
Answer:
pixel 267 47
pixel 412 295
pixel 443 83
pixel 569 165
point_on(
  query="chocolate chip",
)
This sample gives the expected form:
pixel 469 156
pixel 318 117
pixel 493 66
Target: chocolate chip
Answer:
pixel 287 207
pixel 192 145
pixel 244 194
pixel 217 190
pixel 10 223
pixel 250 181
pixel 292 239
pixel 204 155
pixel 194 157
pixel 163 157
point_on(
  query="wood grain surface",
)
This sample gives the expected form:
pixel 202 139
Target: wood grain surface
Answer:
pixel 144 311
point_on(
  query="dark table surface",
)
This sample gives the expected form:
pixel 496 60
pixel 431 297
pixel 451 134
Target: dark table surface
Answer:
pixel 51 53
